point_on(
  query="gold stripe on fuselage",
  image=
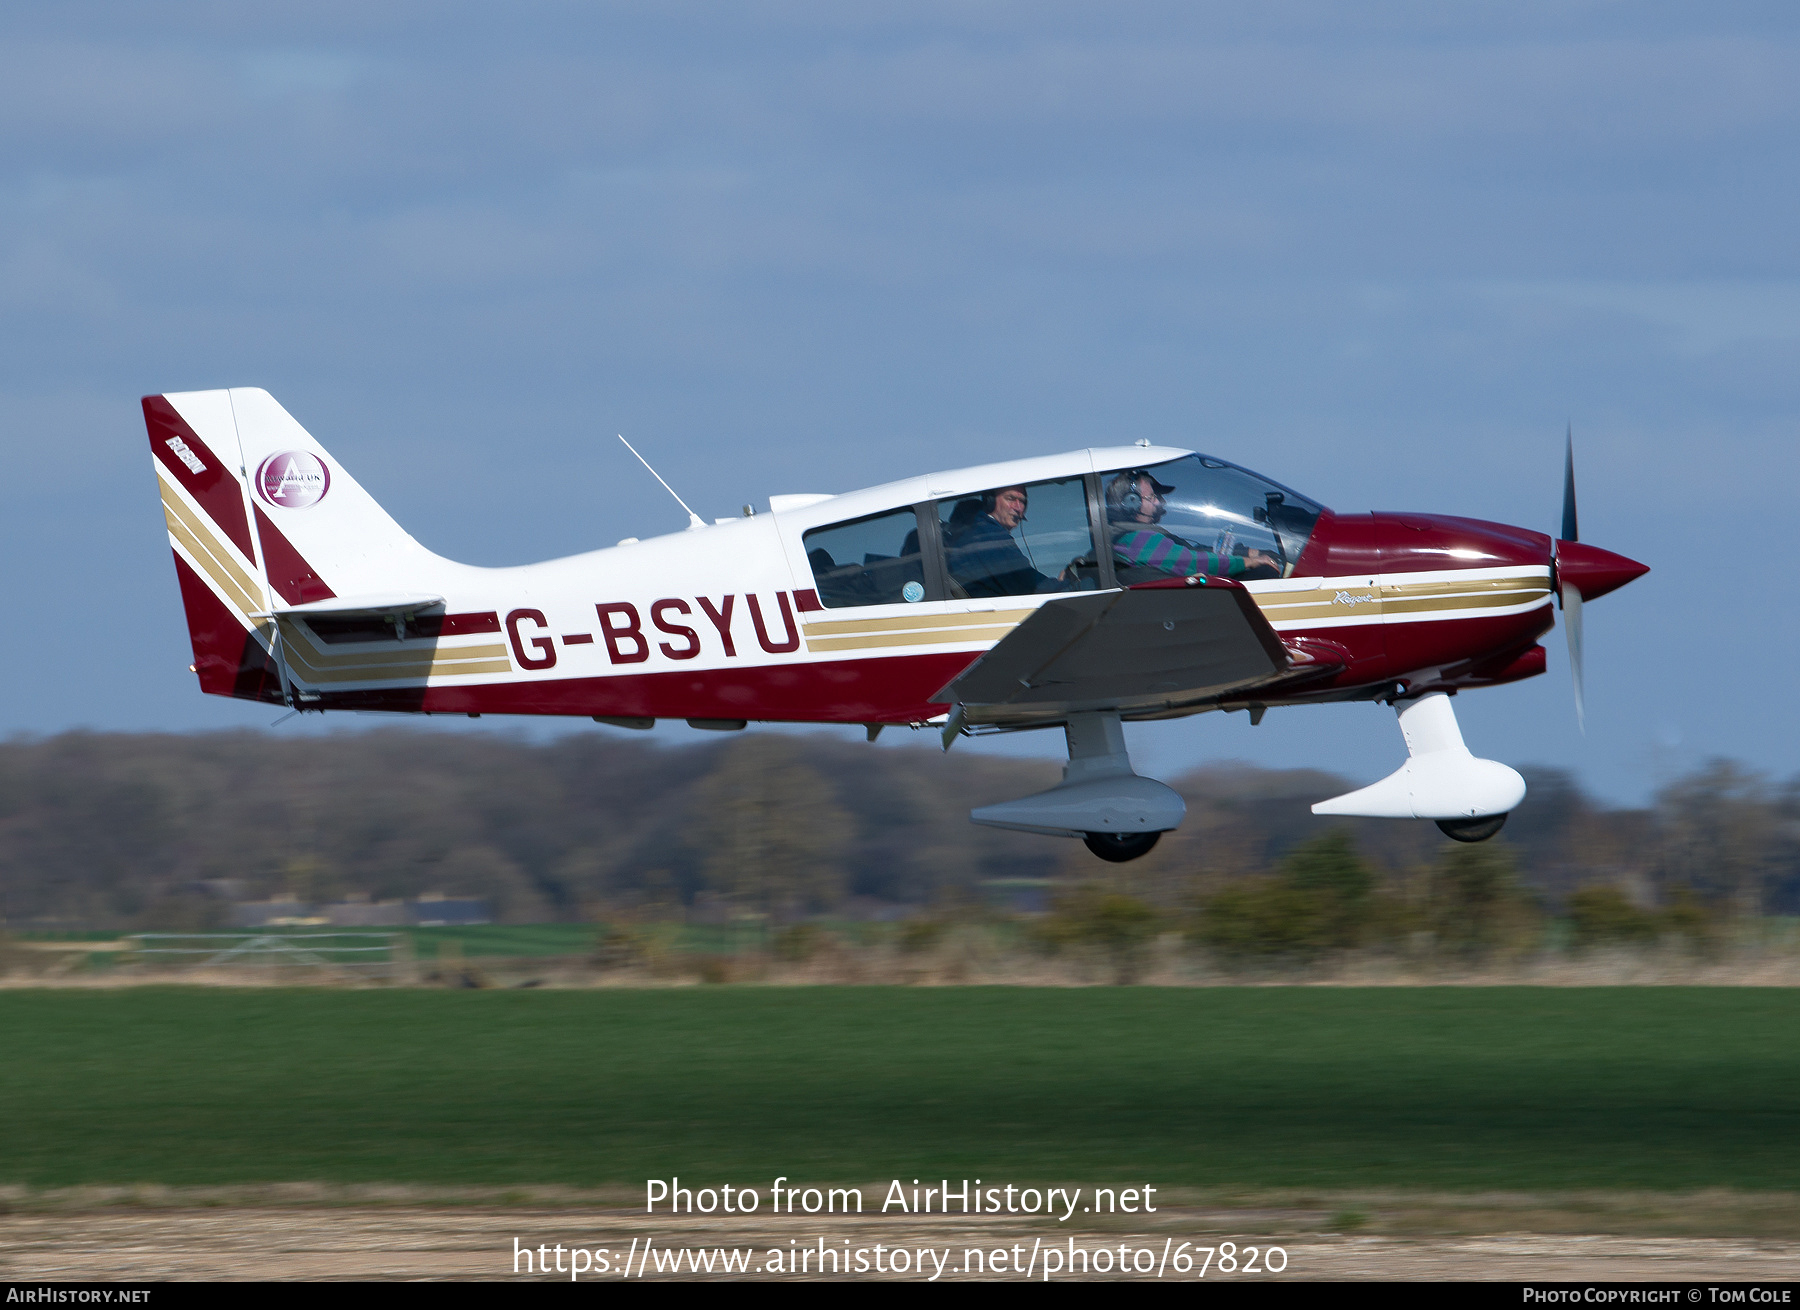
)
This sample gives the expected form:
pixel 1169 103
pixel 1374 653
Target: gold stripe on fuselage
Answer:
pixel 1409 598
pixel 1437 604
pixel 910 629
pixel 316 665
pixel 1455 586
pixel 1280 607
pixel 965 619
pixel 939 638
pixel 422 668
pixel 379 656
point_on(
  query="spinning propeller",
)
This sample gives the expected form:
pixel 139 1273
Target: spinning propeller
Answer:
pixel 1582 573
pixel 1571 594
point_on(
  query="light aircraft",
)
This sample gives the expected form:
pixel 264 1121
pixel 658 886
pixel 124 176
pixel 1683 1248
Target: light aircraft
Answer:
pixel 1078 591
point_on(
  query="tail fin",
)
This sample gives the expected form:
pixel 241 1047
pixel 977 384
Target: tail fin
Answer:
pixel 262 519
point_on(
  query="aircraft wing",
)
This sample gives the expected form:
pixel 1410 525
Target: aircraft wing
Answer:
pixel 1148 648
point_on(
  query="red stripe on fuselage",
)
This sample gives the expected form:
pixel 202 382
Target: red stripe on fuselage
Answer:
pixel 461 625
pixel 898 689
pixel 893 690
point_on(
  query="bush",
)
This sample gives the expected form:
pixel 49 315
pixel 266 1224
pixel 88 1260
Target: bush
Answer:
pixel 1690 919
pixel 618 946
pixel 798 943
pixel 1117 925
pixel 1322 900
pixel 621 945
pixel 1267 916
pixel 918 935
pixel 1327 871
pixel 1476 908
pixel 714 969
pixel 1604 916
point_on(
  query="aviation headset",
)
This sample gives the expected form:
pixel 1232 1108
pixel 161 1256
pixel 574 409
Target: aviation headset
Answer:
pixel 1130 499
pixel 1124 494
pixel 1133 499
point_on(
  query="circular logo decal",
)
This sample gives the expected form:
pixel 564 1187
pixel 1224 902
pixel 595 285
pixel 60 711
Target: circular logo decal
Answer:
pixel 293 479
pixel 913 592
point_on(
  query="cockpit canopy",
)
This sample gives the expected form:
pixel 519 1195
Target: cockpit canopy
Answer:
pixel 1203 515
pixel 1190 515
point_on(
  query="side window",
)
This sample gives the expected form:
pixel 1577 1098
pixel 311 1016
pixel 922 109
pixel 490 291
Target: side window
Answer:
pixel 1020 540
pixel 870 561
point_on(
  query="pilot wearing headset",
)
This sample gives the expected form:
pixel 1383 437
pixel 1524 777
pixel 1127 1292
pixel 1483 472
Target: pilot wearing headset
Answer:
pixel 1142 548
pixel 983 557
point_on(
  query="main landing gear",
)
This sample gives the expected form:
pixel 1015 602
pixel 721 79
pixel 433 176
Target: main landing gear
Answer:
pixel 1101 800
pixel 1121 816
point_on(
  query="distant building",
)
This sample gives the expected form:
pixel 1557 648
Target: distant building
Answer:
pixel 361 912
pixel 282 912
pixel 434 911
pixel 431 910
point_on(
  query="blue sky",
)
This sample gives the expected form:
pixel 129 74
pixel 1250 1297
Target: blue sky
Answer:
pixel 1382 253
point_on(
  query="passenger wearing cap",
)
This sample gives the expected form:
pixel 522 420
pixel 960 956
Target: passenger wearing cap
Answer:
pixel 1134 513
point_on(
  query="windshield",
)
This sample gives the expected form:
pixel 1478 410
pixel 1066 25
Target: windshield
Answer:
pixel 1203 515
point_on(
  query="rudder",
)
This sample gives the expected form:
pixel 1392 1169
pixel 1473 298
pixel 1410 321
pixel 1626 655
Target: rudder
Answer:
pixel 208 517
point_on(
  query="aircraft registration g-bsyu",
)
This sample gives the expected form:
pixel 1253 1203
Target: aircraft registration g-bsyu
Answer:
pixel 1077 591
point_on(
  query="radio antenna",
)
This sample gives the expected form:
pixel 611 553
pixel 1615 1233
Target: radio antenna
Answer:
pixel 694 520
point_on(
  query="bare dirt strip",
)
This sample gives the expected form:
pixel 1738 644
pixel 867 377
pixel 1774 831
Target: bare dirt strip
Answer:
pixel 436 1243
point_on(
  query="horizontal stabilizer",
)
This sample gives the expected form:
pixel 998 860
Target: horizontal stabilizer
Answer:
pixel 1123 650
pixel 382 603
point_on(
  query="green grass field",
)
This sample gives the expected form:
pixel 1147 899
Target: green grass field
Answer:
pixel 1454 1088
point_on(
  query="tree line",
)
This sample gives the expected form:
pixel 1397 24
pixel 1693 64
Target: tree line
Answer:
pixel 126 831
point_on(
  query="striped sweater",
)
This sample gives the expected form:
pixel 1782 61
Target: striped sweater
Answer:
pixel 1156 549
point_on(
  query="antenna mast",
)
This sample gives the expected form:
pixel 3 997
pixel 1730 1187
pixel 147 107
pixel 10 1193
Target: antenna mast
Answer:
pixel 694 520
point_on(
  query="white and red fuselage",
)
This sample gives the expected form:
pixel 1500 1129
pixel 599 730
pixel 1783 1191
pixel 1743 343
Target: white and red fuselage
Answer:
pixel 299 588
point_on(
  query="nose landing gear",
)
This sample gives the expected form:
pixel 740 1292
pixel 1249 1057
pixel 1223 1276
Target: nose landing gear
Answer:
pixel 1468 797
pixel 1471 830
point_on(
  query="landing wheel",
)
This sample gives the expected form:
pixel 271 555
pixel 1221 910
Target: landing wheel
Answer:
pixel 1471 829
pixel 1118 847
